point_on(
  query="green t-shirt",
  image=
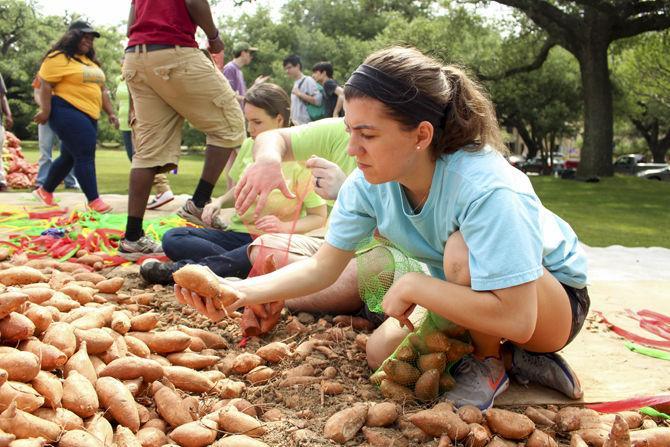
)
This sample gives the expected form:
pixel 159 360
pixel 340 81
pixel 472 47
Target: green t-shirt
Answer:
pixel 326 138
pixel 123 99
pixel 299 179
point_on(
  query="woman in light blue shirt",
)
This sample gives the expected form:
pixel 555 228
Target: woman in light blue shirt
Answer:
pixel 432 179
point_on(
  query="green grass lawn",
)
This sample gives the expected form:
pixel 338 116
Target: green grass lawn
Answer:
pixel 616 211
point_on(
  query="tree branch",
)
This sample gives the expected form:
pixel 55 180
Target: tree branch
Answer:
pixel 633 27
pixel 537 63
pixel 560 25
pixel 632 9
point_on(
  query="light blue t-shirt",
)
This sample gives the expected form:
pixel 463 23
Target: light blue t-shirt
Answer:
pixel 509 234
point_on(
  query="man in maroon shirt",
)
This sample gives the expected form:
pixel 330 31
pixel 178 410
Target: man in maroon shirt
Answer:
pixel 171 80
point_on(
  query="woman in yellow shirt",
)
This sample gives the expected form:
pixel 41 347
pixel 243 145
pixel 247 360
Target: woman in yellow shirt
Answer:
pixel 72 95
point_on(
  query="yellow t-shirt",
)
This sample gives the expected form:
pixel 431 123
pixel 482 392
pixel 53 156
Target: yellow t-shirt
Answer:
pixel 78 82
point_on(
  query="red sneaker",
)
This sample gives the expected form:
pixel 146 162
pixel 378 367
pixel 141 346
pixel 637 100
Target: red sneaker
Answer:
pixel 99 205
pixel 47 198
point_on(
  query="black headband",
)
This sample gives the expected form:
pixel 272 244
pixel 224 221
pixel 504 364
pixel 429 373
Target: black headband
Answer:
pixel 395 93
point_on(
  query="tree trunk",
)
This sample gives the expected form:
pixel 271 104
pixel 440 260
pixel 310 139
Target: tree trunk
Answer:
pixel 596 155
pixel 660 148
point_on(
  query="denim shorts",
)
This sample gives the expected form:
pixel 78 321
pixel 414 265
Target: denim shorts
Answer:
pixel 580 303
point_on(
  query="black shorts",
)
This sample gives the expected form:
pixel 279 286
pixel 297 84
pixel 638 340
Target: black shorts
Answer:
pixel 580 303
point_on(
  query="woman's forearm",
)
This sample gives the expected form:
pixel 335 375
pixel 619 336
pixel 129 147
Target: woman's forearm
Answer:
pixel 298 279
pixel 316 218
pixel 45 97
pixel 107 105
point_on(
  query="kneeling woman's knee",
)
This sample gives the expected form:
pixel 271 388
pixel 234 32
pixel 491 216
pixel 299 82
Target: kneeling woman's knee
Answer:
pixel 456 260
pixel 173 242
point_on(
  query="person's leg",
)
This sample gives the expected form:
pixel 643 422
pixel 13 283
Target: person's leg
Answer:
pixel 78 134
pixel 3 185
pixel 45 138
pixel 198 243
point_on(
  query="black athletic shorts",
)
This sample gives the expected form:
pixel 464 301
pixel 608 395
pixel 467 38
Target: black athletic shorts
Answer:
pixel 580 303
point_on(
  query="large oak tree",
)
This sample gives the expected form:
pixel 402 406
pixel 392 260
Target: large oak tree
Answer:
pixel 586 28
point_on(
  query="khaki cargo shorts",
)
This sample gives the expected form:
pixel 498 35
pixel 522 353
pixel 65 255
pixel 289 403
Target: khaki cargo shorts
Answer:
pixel 298 244
pixel 170 85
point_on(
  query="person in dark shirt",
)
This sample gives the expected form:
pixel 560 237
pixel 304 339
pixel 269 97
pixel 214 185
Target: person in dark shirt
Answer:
pixel 333 94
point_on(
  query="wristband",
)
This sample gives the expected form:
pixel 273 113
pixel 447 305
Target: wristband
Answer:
pixel 216 36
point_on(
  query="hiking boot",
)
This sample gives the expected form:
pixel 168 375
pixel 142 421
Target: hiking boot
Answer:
pixel 160 200
pixel 144 246
pixel 47 198
pixel 191 213
pixel 549 370
pixel 99 206
pixel 154 271
pixel 478 382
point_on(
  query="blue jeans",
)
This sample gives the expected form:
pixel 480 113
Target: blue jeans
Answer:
pixel 78 133
pixel 225 252
pixel 47 140
pixel 128 143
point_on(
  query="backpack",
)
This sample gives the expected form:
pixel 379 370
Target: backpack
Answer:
pixel 316 112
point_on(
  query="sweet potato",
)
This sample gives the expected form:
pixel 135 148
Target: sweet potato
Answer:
pixel 118 401
pixel 211 339
pixel 345 424
pixel 437 423
pixel 573 418
pixel 82 295
pixel 232 420
pixel 89 260
pixel 50 387
pixel 60 416
pixel 97 340
pixel 540 439
pixel 151 437
pixel 204 282
pixel 458 349
pixel 239 441
pixel 508 424
pixel 38 295
pixel 81 363
pixel 20 366
pixel 229 389
pixel 195 434
pixel 40 316
pixel 25 396
pixel 497 441
pixel 437 342
pixel 79 396
pixel 79 438
pixel 386 438
pixel 29 442
pixel 164 342
pixel 192 360
pixel 330 388
pixel 401 372
pixel 470 414
pixel 197 344
pixel 61 302
pixel 188 379
pixel 653 437
pixel 25 425
pixel 382 414
pixel 428 385
pixel 3 376
pixel 61 335
pixel 169 405
pixel 274 352
pixel 159 424
pixel 144 322
pixel 120 322
pixel 92 320
pixel 137 347
pixel 17 276
pixel 478 437
pixel 111 285
pixel 123 437
pixel 393 391
pixel 10 301
pixel 540 416
pixel 245 362
pixel 93 277
pixel 260 374
pixel 16 327
pixel 436 360
pixel 100 427
pixel 50 356
pixel 633 418
pixel 127 368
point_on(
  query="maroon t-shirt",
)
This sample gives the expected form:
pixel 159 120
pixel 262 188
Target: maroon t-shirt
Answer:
pixel 164 22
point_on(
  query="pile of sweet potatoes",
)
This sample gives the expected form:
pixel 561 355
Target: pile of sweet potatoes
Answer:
pixel 84 362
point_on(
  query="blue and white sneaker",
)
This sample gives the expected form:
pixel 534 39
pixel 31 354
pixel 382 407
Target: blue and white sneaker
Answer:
pixel 478 382
pixel 550 370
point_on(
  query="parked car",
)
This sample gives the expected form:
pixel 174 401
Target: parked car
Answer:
pixel 537 166
pixel 662 174
pixel 516 160
pixel 631 164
